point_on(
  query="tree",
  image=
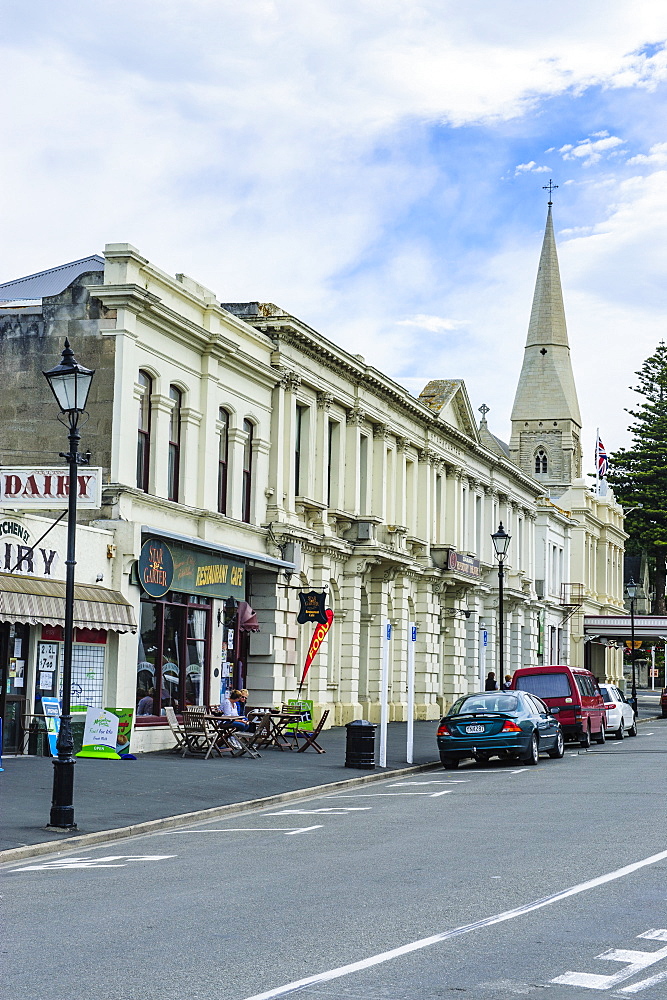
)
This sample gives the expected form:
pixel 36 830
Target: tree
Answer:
pixel 639 474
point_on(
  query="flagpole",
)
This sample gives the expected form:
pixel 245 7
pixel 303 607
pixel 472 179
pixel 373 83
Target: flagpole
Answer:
pixel 597 461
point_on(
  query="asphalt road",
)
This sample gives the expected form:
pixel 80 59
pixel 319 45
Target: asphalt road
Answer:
pixel 490 882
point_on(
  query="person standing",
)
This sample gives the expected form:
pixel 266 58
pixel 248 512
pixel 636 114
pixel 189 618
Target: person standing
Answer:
pixel 507 683
pixel 491 682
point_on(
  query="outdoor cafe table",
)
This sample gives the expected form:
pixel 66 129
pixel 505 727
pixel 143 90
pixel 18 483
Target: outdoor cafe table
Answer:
pixel 276 733
pixel 223 726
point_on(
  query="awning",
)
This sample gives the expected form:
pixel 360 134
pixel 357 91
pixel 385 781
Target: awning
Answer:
pixel 620 627
pixel 34 601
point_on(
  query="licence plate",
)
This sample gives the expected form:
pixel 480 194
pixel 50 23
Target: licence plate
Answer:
pixel 475 729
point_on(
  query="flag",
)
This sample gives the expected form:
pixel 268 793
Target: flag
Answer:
pixel 601 460
pixel 315 643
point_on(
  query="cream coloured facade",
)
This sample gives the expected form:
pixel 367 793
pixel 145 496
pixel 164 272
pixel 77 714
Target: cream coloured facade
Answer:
pixel 242 440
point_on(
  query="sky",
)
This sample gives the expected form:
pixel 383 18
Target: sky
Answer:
pixel 374 167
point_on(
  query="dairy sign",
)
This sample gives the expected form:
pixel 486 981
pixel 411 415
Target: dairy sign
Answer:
pixel 31 488
pixel 19 555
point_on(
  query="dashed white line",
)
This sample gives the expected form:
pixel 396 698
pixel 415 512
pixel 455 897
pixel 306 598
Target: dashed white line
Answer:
pixel 373 795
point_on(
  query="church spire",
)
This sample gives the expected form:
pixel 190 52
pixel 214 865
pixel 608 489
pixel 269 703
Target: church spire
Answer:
pixel 546 423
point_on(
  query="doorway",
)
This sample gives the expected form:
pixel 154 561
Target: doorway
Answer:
pixel 14 640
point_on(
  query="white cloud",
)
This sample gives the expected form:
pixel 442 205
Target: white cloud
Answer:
pixel 656 156
pixel 589 151
pixel 435 324
pixel 531 167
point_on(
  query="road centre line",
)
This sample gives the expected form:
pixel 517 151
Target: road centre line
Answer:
pixel 498 918
pixel 343 811
pixel 450 781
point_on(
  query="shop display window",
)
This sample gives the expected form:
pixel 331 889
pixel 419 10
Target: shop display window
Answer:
pixel 173 652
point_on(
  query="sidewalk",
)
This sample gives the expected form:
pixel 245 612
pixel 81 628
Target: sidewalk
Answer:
pixel 112 794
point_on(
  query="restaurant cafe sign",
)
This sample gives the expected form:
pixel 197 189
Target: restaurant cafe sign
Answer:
pixel 32 488
pixel 177 567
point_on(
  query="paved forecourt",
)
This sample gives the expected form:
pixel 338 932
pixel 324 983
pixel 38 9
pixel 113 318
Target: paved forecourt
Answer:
pixel 496 880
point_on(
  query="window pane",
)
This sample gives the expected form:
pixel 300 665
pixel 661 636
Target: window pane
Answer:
pixel 545 685
pixel 146 658
pixel 174 626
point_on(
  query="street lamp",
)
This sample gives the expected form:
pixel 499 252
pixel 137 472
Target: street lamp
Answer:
pixel 632 590
pixel 70 383
pixel 501 541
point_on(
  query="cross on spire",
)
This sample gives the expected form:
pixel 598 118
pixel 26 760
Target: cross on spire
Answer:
pixel 550 187
pixel 484 409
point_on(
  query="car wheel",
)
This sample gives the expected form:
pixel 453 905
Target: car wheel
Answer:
pixel 559 750
pixel 449 763
pixel 585 740
pixel 533 755
pixel 620 732
pixel 632 731
pixel 601 736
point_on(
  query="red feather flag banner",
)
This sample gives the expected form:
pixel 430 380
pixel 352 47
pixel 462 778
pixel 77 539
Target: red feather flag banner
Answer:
pixel 315 643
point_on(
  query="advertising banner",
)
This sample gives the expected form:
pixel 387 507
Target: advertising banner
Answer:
pixel 163 567
pixel 318 637
pixel 124 736
pixel 43 488
pixel 100 736
pixel 51 709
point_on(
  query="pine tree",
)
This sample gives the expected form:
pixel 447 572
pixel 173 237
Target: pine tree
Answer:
pixel 639 474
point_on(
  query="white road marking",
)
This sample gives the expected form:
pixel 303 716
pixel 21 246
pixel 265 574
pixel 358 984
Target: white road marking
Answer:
pixel 304 829
pixel 110 861
pixel 498 918
pixel 645 983
pixel 520 770
pixel 343 811
pixel 449 781
pixel 287 830
pixel 635 961
pixel 373 795
pixel 574 755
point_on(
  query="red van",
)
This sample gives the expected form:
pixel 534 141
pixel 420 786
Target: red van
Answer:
pixel 572 695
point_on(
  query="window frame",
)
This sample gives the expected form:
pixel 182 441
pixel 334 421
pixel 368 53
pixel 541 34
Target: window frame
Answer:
pixel 174 453
pixel 144 432
pixel 246 484
pixel 223 458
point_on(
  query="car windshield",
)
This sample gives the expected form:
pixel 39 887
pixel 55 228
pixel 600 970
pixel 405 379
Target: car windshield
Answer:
pixel 606 693
pixel 545 685
pixel 490 701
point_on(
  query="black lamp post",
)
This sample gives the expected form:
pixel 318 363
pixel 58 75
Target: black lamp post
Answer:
pixel 501 541
pixel 70 383
pixel 631 590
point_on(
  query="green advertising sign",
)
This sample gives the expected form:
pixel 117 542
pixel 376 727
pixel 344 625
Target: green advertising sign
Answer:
pixel 307 708
pixel 125 716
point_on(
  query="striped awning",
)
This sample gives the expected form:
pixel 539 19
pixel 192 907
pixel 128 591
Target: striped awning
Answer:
pixel 32 600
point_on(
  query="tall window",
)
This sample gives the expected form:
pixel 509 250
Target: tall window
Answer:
pixel 247 472
pixel 299 442
pixel 174 443
pixel 223 460
pixel 144 431
pixel 363 474
pixel 541 461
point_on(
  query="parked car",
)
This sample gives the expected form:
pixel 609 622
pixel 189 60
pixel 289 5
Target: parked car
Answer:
pixel 663 703
pixel 573 694
pixel 620 716
pixel 505 724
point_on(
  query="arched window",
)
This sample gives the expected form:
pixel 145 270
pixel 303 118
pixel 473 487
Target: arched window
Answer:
pixel 247 472
pixel 541 462
pixel 144 431
pixel 173 472
pixel 223 458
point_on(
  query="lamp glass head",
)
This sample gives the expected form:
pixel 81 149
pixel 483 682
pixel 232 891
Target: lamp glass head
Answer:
pixel 632 589
pixel 70 382
pixel 501 540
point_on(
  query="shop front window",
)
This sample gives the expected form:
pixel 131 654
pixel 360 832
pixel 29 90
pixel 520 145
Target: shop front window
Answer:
pixel 173 653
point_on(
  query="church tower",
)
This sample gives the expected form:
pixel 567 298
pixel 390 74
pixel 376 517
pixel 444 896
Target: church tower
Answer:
pixel 546 423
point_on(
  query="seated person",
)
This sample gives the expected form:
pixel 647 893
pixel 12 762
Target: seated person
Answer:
pixel 230 707
pixel 145 706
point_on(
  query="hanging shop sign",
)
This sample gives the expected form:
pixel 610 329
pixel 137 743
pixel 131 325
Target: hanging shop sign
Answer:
pixel 460 563
pixel 312 608
pixel 43 488
pixel 156 568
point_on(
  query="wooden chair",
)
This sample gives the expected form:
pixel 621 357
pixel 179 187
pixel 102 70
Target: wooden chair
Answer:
pixel 199 739
pixel 176 730
pixel 310 739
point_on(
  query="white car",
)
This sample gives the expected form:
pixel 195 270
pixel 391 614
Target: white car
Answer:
pixel 620 716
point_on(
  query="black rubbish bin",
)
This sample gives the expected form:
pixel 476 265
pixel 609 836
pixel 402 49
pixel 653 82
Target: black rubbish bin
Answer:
pixel 360 744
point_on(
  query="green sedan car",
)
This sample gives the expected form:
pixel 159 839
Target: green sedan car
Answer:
pixel 505 724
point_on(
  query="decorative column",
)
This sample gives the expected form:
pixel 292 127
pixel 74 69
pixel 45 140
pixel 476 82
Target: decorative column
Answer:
pixel 355 418
pixel 189 457
pixel 161 407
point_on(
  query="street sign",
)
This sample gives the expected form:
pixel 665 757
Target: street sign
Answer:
pixel 389 630
pixel 413 635
pixel 485 638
